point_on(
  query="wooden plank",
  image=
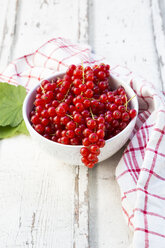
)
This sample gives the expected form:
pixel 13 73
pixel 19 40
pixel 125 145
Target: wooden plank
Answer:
pixel 83 21
pixel 36 197
pixel 81 198
pixel 42 20
pixel 8 20
pixel 107 225
pixel 81 220
pixel 158 27
pixel 122 32
pixel 3 28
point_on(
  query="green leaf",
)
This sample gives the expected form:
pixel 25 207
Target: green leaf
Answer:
pixel 11 101
pixel 22 128
pixel 8 131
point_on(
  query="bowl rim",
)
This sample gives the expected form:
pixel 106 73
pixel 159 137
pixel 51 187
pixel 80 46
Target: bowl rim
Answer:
pixel 27 122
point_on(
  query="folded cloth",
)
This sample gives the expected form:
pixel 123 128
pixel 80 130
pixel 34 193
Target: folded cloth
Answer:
pixel 141 170
pixel 53 56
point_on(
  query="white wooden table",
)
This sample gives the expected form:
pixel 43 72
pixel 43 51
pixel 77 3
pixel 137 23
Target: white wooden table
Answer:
pixel 44 203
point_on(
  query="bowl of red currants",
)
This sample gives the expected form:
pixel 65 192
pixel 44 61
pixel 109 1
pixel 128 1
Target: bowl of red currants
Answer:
pixel 81 116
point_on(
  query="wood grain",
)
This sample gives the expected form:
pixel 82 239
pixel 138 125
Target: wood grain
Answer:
pixel 123 33
pixel 158 28
pixel 107 225
pixel 83 32
pixel 8 20
pixel 81 198
pixel 37 195
pixel 40 21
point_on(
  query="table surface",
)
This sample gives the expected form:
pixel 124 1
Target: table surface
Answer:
pixel 45 203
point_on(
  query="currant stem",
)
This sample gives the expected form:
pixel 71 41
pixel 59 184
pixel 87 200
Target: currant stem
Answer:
pixel 59 84
pixel 42 89
pixel 69 116
pixel 126 104
pixel 66 93
pixel 83 73
pixel 91 114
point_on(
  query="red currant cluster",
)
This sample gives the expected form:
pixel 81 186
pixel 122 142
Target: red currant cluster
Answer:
pixel 81 109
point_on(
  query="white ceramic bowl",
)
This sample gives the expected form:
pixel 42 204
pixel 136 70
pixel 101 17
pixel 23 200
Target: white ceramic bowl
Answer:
pixel 71 154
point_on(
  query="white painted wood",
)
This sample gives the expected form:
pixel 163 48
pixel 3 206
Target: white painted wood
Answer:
pixel 158 22
pixel 8 20
pixel 81 201
pixel 3 8
pixel 107 225
pixel 83 34
pixel 122 31
pixel 42 20
pixel 45 203
pixel 37 195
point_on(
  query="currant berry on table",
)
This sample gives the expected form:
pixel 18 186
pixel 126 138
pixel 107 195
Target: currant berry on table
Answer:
pixel 80 108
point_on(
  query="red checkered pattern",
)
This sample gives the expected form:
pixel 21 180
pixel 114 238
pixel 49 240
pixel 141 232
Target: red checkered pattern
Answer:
pixel 55 55
pixel 141 170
